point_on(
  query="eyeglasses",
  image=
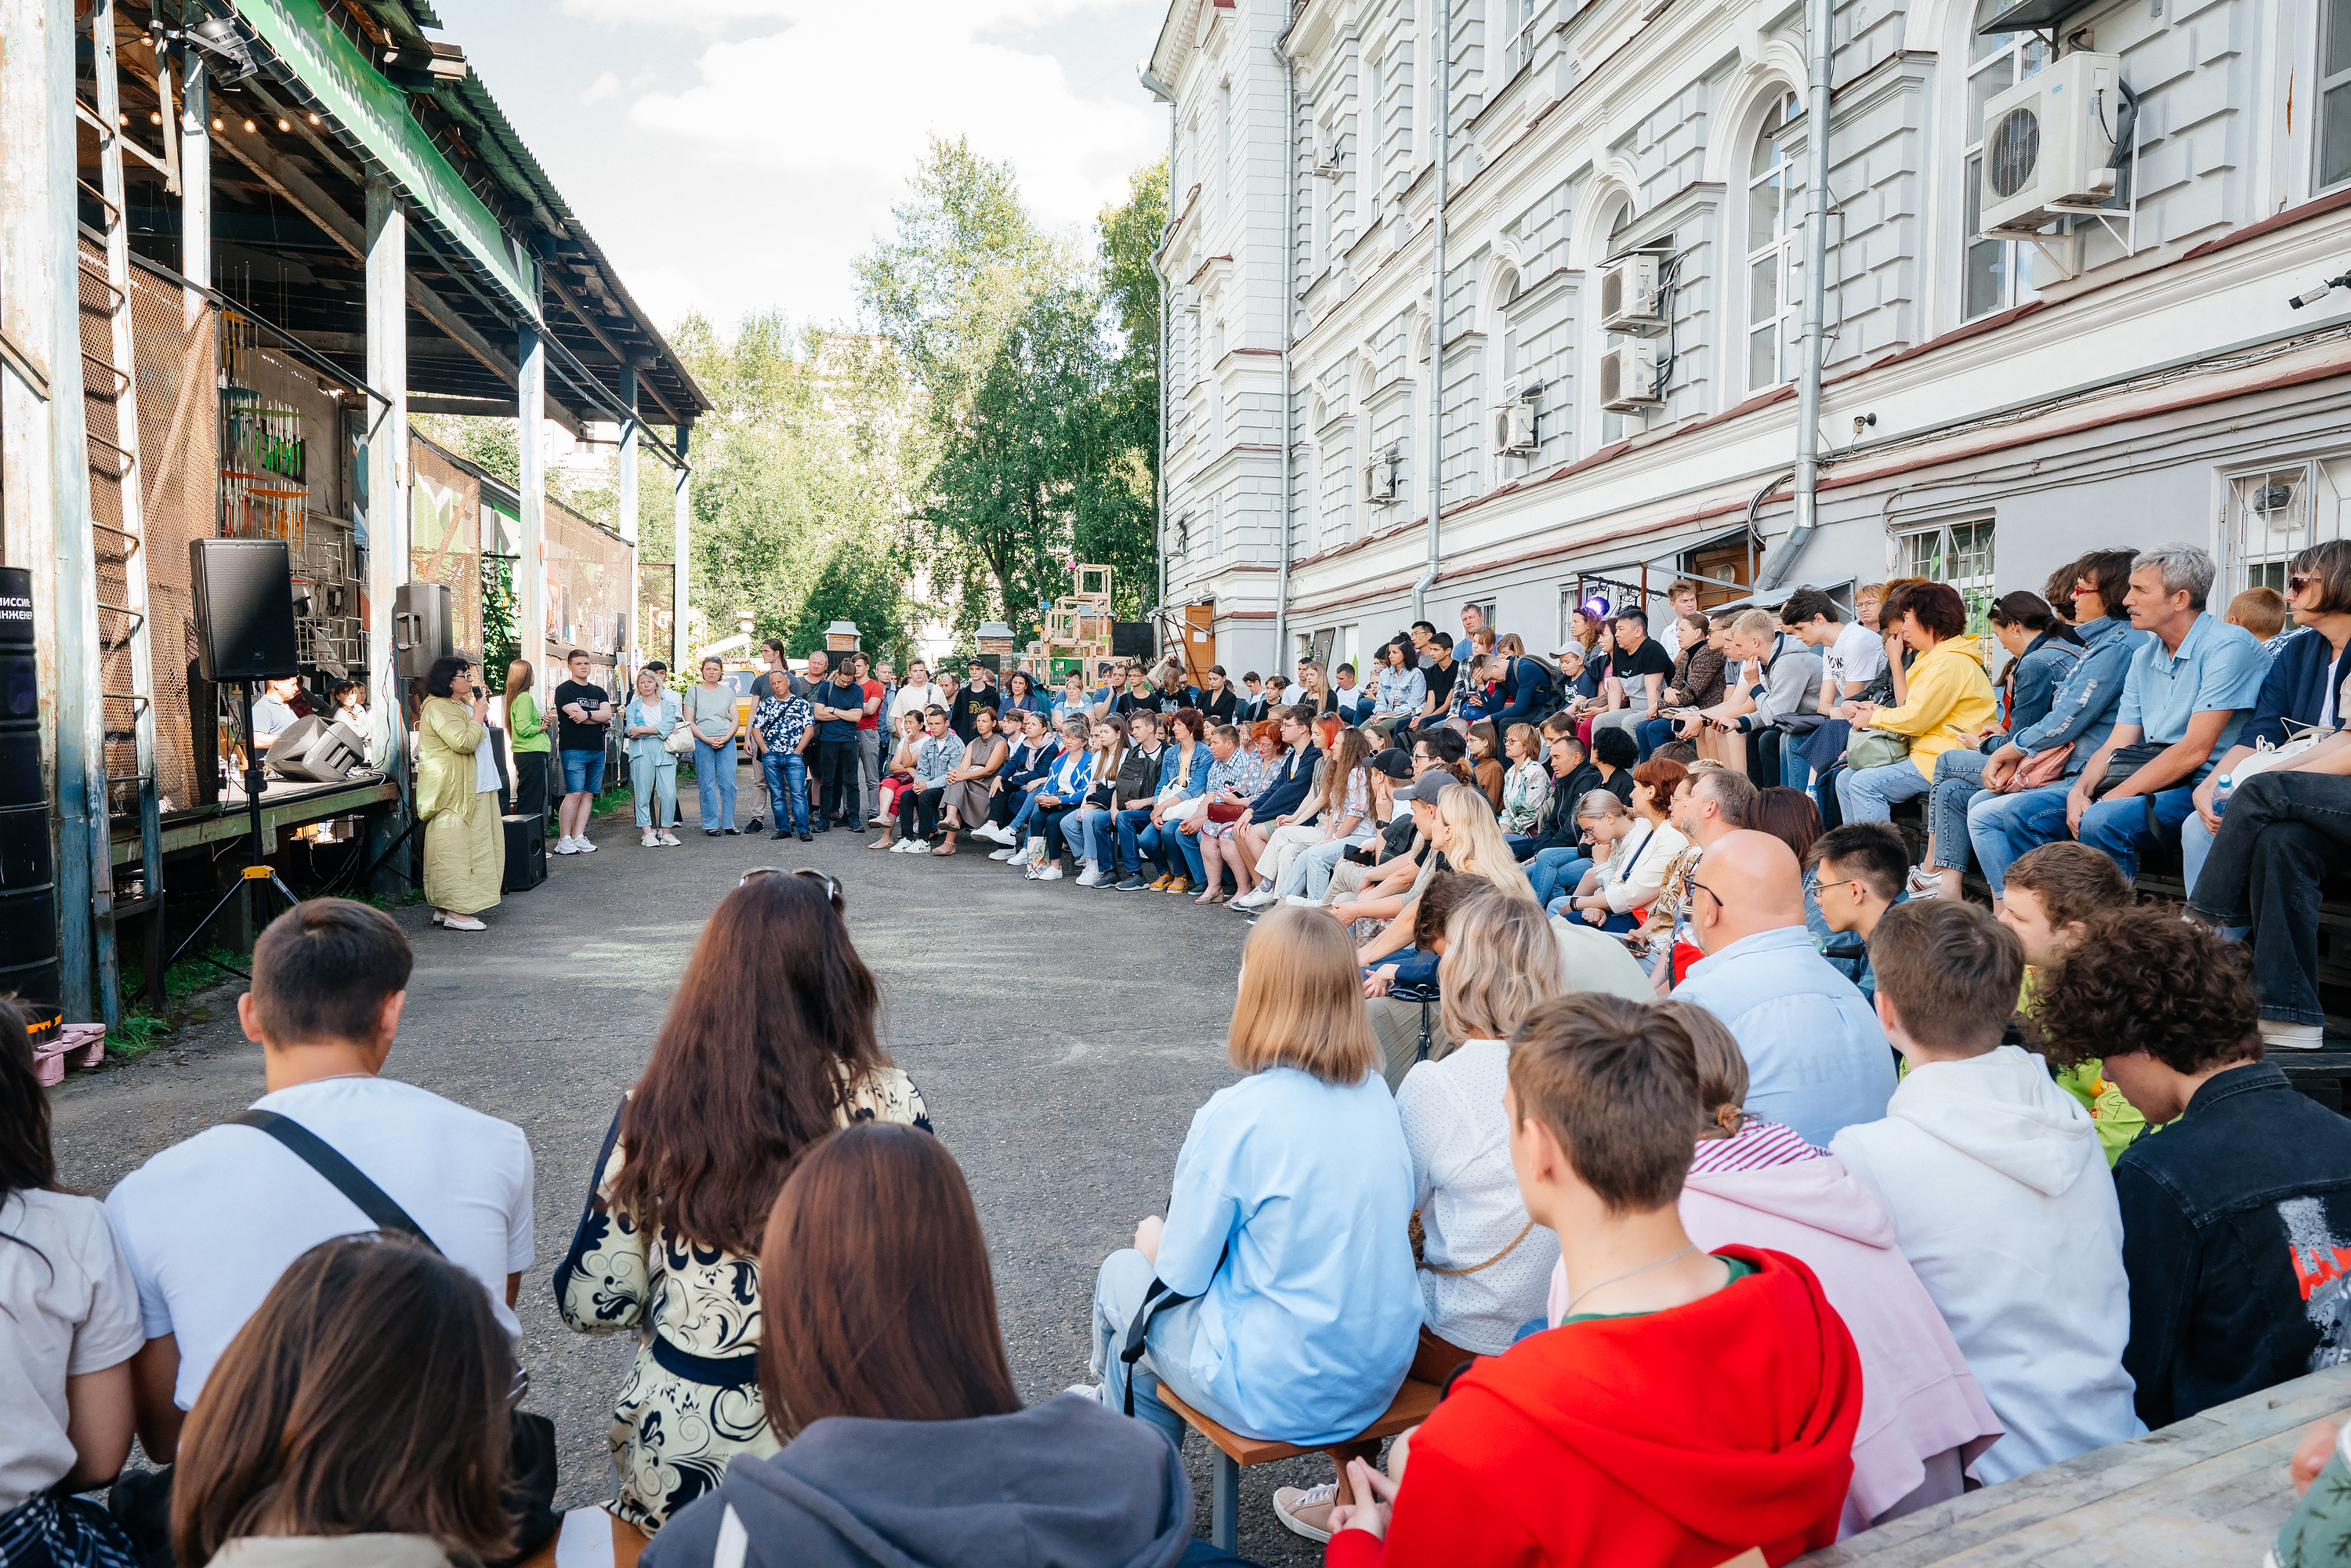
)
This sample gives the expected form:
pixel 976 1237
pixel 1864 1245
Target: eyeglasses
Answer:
pixel 832 887
pixel 1822 887
pixel 1697 887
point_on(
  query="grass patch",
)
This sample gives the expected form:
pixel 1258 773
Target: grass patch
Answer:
pixel 146 1023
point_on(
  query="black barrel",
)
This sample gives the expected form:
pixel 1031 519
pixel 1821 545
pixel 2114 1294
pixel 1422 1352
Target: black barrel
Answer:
pixel 28 897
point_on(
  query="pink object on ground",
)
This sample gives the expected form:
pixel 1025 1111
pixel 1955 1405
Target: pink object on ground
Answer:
pixel 82 1044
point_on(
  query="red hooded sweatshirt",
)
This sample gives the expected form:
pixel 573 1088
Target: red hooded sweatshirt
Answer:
pixel 1674 1440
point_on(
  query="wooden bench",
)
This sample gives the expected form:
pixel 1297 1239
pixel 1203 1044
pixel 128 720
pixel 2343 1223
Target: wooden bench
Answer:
pixel 588 1538
pixel 1234 1452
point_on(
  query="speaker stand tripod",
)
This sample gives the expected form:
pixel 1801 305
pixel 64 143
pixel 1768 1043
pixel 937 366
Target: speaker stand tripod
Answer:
pixel 255 869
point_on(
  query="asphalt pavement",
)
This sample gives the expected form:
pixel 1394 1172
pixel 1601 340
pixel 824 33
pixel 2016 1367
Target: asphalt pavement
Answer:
pixel 1062 1037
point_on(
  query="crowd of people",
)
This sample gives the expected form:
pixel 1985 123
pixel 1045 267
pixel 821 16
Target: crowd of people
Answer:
pixel 1740 1184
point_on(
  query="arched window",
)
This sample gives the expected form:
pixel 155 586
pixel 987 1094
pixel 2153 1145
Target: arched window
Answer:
pixel 1775 260
pixel 1996 272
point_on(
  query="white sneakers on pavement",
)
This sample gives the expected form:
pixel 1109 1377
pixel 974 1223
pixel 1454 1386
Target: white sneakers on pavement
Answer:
pixel 1306 1511
pixel 667 838
pixel 564 846
pixel 463 922
pixel 1090 875
pixel 1256 899
pixel 651 840
pixel 581 845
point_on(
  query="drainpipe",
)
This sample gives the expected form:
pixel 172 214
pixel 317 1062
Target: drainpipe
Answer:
pixel 1443 125
pixel 1820 23
pixel 1289 329
pixel 1166 95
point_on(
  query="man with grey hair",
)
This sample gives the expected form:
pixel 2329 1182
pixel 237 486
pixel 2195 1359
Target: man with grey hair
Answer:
pixel 2185 695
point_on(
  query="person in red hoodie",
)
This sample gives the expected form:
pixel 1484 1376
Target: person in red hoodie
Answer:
pixel 1689 1406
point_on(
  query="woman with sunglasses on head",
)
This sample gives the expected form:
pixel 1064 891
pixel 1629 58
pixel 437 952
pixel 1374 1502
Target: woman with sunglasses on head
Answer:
pixel 769 1045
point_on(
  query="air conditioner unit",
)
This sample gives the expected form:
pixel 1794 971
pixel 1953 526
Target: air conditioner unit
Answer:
pixel 1628 296
pixel 1628 378
pixel 1514 430
pixel 2048 141
pixel 1380 479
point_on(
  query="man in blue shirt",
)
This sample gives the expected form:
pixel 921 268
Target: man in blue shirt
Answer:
pixel 2190 688
pixel 1816 1057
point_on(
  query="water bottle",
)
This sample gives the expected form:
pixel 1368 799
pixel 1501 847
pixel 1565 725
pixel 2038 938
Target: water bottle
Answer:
pixel 2223 788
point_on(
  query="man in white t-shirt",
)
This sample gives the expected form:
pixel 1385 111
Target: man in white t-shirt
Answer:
pixel 1852 654
pixel 209 1224
pixel 1681 600
pixel 920 693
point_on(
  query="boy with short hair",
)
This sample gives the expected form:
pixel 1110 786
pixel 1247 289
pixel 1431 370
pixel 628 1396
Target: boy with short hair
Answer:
pixel 1998 1196
pixel 2056 890
pixel 2260 611
pixel 2236 1281
pixel 210 1223
pixel 1859 869
pixel 585 710
pixel 1688 1406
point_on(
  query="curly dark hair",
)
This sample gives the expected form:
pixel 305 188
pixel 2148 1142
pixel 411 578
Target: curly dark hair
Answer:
pixel 2145 979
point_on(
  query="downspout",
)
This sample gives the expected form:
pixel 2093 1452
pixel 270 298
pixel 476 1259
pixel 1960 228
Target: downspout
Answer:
pixel 1443 109
pixel 1165 94
pixel 1819 21
pixel 1288 330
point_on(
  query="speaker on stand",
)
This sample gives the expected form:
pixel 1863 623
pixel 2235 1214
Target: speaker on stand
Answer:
pixel 244 593
pixel 28 892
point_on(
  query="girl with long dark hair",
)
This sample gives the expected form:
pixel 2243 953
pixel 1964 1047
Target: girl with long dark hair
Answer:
pixel 70 1324
pixel 770 1046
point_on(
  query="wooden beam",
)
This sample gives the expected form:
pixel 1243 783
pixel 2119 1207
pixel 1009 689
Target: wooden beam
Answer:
pixel 301 192
pixel 552 278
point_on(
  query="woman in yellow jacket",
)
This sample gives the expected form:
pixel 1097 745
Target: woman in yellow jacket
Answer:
pixel 457 797
pixel 1948 698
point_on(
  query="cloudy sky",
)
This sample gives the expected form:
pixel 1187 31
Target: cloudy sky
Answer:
pixel 737 155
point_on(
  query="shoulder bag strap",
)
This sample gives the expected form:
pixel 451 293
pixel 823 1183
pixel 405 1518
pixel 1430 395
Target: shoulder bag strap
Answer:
pixel 346 1177
pixel 1155 1301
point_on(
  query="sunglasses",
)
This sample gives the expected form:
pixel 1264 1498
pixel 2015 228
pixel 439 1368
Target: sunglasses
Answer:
pixel 2296 582
pixel 832 887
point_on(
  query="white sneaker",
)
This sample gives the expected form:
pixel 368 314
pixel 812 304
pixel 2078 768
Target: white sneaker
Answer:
pixel 910 847
pixel 1052 872
pixel 1292 1502
pixel 464 923
pixel 1258 899
pixel 1924 883
pixel 1090 1390
pixel 583 846
pixel 1300 900
pixel 564 846
pixel 2283 1036
pixel 667 838
pixel 1005 854
pixel 651 840
pixel 1090 876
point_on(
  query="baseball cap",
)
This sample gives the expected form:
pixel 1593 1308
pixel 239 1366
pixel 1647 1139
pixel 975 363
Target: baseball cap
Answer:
pixel 1428 786
pixel 1393 763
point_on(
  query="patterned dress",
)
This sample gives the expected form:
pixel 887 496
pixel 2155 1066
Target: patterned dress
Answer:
pixel 691 1401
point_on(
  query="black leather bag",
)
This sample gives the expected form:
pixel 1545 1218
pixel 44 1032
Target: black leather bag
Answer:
pixel 2125 761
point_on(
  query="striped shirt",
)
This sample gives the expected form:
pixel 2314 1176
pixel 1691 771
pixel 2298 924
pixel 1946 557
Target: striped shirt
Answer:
pixel 1758 1143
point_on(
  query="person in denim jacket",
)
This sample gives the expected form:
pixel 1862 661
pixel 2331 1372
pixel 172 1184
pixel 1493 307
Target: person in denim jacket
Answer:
pixel 1145 833
pixel 2230 1214
pixel 2081 715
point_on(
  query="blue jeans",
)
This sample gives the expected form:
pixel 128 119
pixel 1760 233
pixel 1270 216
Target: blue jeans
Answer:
pixel 2118 825
pixel 1958 781
pixel 655 786
pixel 1562 908
pixel 1158 846
pixel 1053 825
pixel 1133 824
pixel 1189 846
pixel 1869 794
pixel 1555 869
pixel 1652 733
pixel 583 772
pixel 2002 826
pixel 2283 834
pixel 1310 872
pixel 713 776
pixel 1119 1288
pixel 1081 832
pixel 787 774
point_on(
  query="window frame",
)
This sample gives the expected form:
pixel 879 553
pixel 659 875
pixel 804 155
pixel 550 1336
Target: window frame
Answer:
pixel 2320 482
pixel 1781 251
pixel 2328 84
pixel 1978 587
pixel 2009 261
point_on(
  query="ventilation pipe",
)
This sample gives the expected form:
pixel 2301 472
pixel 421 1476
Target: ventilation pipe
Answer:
pixel 1166 95
pixel 1820 23
pixel 1288 330
pixel 1443 109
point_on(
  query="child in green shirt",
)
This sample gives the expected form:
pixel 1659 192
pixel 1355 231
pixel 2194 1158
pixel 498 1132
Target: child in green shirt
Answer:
pixel 2052 891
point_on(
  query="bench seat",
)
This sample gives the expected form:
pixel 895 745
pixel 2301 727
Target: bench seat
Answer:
pixel 1234 1452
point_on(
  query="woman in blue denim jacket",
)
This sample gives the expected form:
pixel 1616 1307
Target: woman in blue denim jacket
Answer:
pixel 1183 776
pixel 2039 649
pixel 646 723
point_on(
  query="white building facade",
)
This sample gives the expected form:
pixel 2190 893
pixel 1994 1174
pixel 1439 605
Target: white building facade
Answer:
pixel 1991 407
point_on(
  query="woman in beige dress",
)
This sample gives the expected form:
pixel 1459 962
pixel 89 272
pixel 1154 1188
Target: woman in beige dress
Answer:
pixel 457 797
pixel 769 1045
pixel 969 790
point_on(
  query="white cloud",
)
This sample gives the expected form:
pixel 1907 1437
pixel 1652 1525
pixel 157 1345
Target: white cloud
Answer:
pixel 603 86
pixel 703 16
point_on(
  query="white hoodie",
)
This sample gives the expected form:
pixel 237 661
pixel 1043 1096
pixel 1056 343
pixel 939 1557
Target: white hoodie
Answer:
pixel 2003 1204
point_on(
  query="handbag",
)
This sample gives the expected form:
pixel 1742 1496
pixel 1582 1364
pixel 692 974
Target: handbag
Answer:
pixel 1225 812
pixel 531 1478
pixel 2266 757
pixel 2127 760
pixel 679 742
pixel 1875 749
pixel 2041 768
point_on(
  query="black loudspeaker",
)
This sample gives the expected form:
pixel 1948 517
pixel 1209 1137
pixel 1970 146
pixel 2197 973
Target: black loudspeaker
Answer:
pixel 244 591
pixel 526 854
pixel 1131 640
pixel 317 750
pixel 420 626
pixel 28 897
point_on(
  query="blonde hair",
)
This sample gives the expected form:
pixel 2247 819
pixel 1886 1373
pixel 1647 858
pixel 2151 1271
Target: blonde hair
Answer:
pixel 1722 1070
pixel 1302 1000
pixel 1477 846
pixel 1500 963
pixel 1755 624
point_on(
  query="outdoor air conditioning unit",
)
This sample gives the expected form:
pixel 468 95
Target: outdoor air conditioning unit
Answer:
pixel 1628 296
pixel 1628 378
pixel 1380 477
pixel 1514 430
pixel 2049 143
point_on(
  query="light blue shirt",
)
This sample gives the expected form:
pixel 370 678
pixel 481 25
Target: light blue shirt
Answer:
pixel 1400 692
pixel 1289 1220
pixel 1817 1059
pixel 2218 666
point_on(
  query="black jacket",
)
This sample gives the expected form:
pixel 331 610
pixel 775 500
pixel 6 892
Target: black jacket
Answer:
pixel 1292 778
pixel 1558 827
pixel 2237 1240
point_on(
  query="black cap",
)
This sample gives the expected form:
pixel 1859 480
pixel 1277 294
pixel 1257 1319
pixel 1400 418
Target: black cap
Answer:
pixel 1393 763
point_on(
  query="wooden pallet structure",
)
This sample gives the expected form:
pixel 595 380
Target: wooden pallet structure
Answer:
pixel 1076 631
